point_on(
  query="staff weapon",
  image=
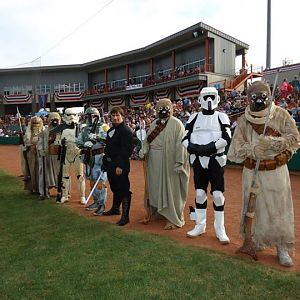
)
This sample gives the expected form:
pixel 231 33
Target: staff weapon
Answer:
pixel 141 135
pixel 44 165
pixel 88 151
pixel 23 143
pixel 248 245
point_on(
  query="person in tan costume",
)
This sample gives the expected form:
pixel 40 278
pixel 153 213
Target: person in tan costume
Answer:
pixel 167 167
pixel 48 157
pixel 34 129
pixel 273 221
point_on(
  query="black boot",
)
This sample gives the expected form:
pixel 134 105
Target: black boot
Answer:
pixel 115 209
pixel 125 211
pixel 100 210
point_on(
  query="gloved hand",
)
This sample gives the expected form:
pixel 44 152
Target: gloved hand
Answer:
pixel 277 144
pixel 88 144
pixel 269 143
pixel 193 148
pixel 259 150
pixel 23 148
pixel 178 168
pixel 141 154
pixel 92 136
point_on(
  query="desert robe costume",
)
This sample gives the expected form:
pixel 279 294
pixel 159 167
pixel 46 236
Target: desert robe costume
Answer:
pixel 48 152
pixel 274 218
pixel 167 189
pixel 30 140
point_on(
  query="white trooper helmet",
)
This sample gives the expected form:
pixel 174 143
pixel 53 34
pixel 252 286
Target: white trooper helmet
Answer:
pixel 209 98
pixel 70 116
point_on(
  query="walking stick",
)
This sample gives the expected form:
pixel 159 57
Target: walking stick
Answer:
pixel 27 175
pixel 141 135
pixel 248 245
pixel 44 167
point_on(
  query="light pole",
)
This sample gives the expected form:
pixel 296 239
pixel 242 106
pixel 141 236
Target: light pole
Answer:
pixel 268 56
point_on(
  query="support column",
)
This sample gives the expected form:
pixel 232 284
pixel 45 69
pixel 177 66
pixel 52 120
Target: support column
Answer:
pixel 173 64
pixel 2 108
pixel 152 68
pixel 33 104
pixel 127 73
pixel 52 102
pixel 106 79
pixel 244 60
pixel 206 55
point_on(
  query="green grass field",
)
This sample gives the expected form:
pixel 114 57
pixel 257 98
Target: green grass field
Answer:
pixel 50 252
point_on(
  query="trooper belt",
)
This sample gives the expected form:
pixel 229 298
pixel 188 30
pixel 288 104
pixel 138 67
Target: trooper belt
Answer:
pixel 93 151
pixel 269 164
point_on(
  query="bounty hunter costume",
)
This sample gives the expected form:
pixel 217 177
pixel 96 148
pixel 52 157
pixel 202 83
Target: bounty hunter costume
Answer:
pixel 207 135
pixel 34 129
pixel 70 132
pixel 91 140
pixel 167 166
pixel 48 157
pixel 274 218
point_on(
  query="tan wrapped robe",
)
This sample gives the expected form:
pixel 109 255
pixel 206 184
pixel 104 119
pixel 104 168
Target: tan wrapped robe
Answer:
pixel 274 218
pixel 167 189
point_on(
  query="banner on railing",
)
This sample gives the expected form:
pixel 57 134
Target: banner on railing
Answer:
pixel 117 101
pixel 162 94
pixel 139 99
pixel 68 96
pixel 192 90
pixel 98 103
pixel 134 86
pixel 15 99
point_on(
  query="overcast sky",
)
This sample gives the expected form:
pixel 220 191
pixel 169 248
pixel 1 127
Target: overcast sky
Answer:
pixel 62 32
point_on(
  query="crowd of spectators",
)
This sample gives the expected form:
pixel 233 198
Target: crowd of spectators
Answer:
pixel 232 103
pixel 147 80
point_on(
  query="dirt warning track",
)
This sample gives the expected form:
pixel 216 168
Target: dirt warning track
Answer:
pixel 10 161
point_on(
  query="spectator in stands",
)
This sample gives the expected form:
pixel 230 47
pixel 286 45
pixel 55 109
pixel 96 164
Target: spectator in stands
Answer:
pixel 297 117
pixel 290 89
pixel 295 84
pixel 234 94
pixel 284 88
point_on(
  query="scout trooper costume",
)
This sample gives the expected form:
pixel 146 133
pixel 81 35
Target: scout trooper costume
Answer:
pixel 69 133
pixel 91 141
pixel 207 135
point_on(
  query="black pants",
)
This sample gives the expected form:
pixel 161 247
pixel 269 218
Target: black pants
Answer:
pixel 214 174
pixel 119 185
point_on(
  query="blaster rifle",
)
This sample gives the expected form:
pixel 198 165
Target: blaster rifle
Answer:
pixel 248 246
pixel 62 158
pixel 88 151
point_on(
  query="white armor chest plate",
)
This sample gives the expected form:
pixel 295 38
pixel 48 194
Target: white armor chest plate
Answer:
pixel 206 129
